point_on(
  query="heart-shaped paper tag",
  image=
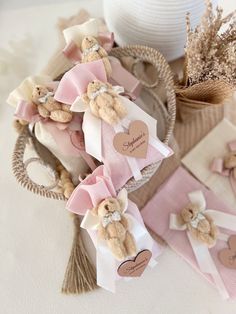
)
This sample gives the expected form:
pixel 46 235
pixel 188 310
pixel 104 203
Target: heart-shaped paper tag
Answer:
pixel 227 257
pixel 136 267
pixel 135 142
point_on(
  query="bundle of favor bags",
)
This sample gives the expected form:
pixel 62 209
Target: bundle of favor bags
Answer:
pixel 88 118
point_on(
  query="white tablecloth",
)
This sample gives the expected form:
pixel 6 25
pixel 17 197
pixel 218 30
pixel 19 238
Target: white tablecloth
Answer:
pixel 36 233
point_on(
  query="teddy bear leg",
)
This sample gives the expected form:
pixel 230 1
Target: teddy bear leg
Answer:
pixel 117 248
pixel 61 116
pixel 120 109
pixel 43 111
pixel 130 244
pixel 107 66
pixel 207 239
pixel 109 115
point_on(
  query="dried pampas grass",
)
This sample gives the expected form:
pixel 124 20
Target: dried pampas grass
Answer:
pixel 210 50
pixel 210 63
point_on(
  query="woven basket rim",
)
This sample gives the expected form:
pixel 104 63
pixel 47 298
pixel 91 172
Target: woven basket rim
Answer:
pixel 144 54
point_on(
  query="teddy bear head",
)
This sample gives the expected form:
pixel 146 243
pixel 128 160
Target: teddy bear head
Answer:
pixel 230 160
pixel 88 42
pixel 93 87
pixel 189 212
pixel 38 92
pixel 108 206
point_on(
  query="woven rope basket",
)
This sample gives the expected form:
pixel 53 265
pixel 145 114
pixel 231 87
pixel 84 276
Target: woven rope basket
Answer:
pixel 165 115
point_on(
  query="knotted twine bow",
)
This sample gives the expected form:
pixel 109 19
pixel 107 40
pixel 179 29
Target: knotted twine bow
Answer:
pixel 94 189
pixel 68 136
pixel 226 166
pixel 74 36
pixel 200 249
pixel 74 84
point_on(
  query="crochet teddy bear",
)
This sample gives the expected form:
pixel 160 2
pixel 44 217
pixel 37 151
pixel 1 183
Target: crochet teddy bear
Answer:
pixel 48 107
pixel 113 228
pixel 200 225
pixel 92 51
pixel 230 162
pixel 104 102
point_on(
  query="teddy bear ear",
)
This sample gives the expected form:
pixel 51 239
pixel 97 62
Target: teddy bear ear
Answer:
pixel 122 198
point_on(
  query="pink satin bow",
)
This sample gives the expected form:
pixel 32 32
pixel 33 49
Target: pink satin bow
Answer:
pixel 88 194
pixel 73 52
pixel 68 136
pixel 74 83
pixel 218 166
pixel 119 76
pixel 91 191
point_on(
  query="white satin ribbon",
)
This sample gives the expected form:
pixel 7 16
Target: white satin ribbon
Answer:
pixel 25 89
pixel 201 251
pixel 106 264
pixel 92 127
pixel 77 33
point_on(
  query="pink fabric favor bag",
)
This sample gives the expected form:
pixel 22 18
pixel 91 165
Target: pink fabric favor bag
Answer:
pixel 99 135
pixel 174 195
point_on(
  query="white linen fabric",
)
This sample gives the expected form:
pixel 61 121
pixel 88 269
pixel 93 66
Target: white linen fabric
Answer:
pixel 199 160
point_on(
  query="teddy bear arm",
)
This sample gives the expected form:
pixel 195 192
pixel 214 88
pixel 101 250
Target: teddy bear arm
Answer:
pixel 102 52
pixel 51 104
pixel 120 108
pixel 105 100
pixel 94 108
pixel 61 116
pixel 85 98
pixel 130 244
pixel 65 107
pixel 107 66
pixel 109 115
pixel 124 222
pixel 102 233
pixel 43 111
pixel 90 57
pixel 111 92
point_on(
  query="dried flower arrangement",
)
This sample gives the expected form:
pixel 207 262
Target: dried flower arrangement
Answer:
pixel 210 63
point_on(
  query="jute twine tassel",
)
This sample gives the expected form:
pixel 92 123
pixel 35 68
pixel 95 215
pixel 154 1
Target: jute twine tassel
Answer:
pixel 80 274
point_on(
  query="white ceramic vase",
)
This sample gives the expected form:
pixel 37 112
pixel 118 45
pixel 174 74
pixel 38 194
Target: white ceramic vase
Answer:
pixel 156 23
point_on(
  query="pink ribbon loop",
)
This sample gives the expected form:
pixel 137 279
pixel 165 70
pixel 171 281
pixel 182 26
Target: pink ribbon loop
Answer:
pixel 94 189
pixel 73 52
pixel 217 166
pixel 68 136
pixel 232 146
pixel 26 111
pixel 74 83
pixel 120 76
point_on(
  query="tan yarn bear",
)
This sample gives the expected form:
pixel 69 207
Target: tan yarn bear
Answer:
pixel 92 51
pixel 114 229
pixel 48 107
pixel 230 162
pixel 104 102
pixel 200 225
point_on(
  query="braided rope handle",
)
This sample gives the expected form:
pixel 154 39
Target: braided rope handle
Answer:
pixel 19 167
pixel 143 54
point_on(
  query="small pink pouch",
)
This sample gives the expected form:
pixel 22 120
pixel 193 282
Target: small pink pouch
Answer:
pixel 99 135
pixel 170 199
pixel 87 195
